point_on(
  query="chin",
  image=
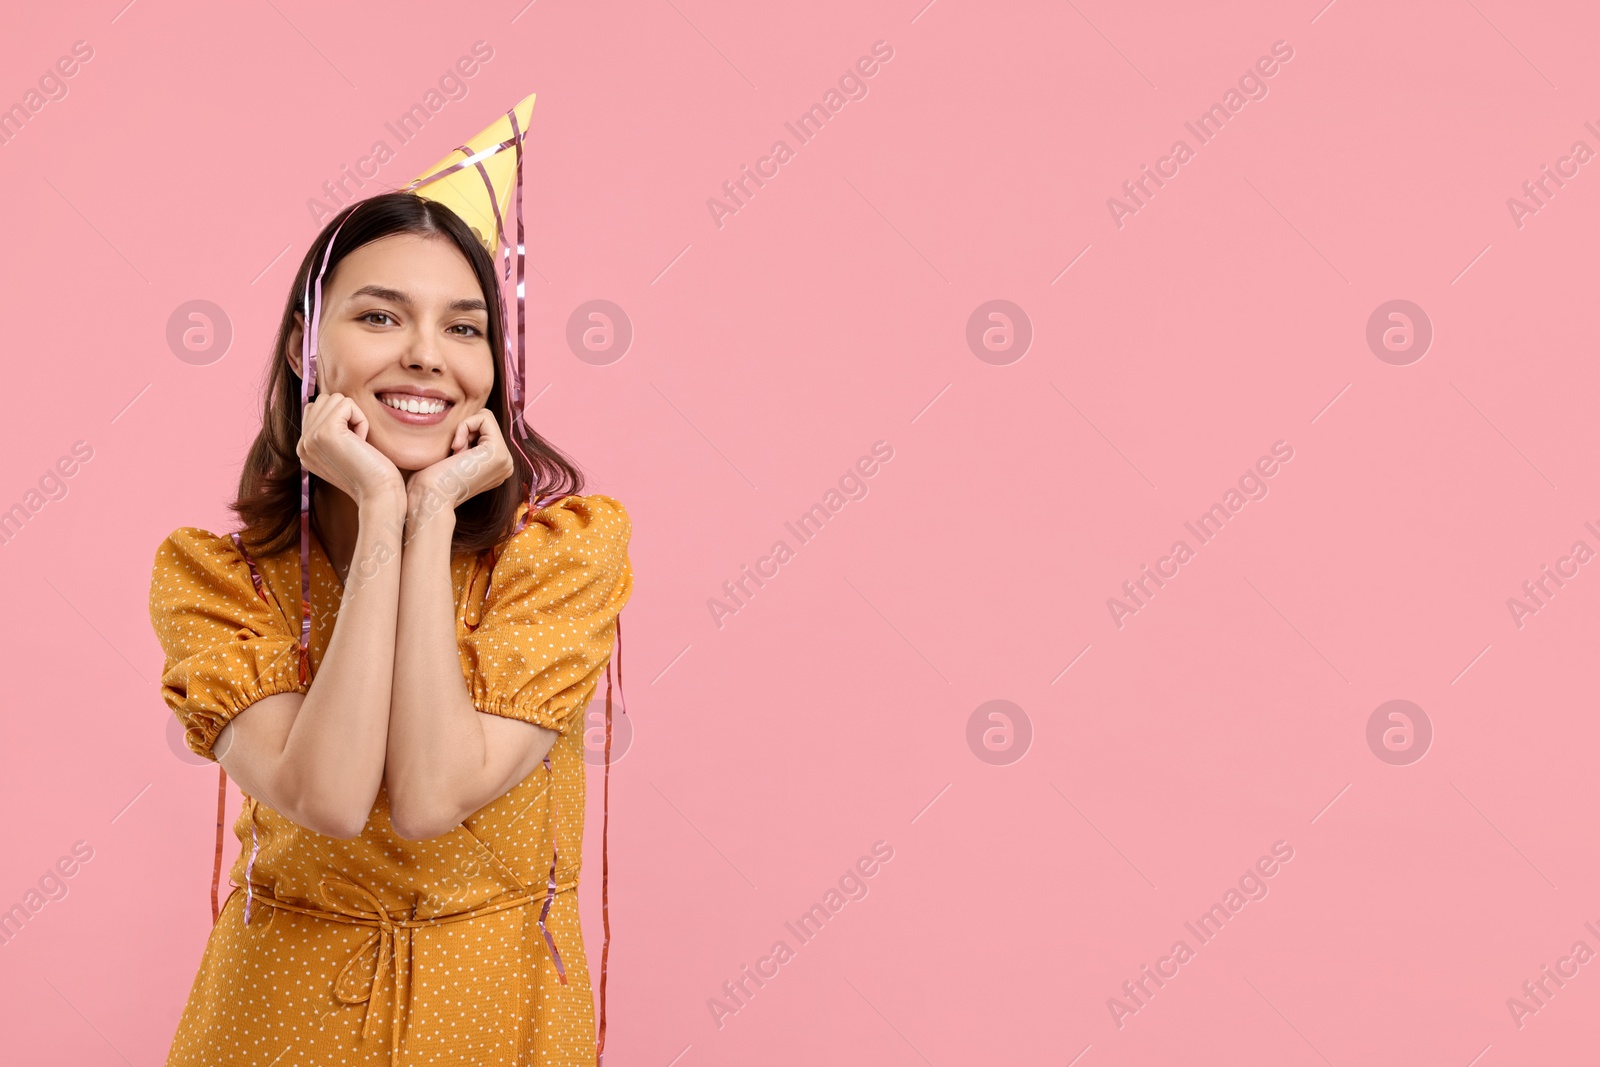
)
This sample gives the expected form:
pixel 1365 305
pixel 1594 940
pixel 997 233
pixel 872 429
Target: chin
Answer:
pixel 411 460
pixel 412 464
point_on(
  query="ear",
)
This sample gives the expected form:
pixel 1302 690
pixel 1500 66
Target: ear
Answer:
pixel 293 342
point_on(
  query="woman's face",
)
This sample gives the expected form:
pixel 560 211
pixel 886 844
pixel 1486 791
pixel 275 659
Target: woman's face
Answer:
pixel 404 325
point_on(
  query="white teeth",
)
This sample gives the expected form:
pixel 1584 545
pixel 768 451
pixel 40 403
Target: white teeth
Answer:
pixel 415 405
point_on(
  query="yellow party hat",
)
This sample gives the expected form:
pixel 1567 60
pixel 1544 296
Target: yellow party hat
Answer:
pixel 477 180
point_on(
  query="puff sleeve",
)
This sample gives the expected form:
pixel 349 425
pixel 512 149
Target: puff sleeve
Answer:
pixel 225 647
pixel 548 619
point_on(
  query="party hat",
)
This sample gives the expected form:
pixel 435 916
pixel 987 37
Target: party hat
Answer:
pixel 481 196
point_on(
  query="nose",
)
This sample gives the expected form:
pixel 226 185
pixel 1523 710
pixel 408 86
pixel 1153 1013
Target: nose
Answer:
pixel 424 353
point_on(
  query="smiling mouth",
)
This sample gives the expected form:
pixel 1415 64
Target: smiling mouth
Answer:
pixel 415 405
pixel 412 410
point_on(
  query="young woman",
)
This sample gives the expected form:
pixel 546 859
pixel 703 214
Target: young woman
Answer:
pixel 414 791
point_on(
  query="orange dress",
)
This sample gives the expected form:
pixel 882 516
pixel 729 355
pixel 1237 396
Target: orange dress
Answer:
pixel 378 950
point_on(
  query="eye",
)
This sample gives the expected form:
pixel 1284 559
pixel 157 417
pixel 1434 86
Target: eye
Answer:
pixel 369 315
pixel 475 331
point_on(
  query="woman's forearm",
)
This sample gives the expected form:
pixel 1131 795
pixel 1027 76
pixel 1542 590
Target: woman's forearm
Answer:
pixel 334 756
pixel 435 736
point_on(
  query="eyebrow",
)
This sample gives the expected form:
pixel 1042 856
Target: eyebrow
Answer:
pixel 396 296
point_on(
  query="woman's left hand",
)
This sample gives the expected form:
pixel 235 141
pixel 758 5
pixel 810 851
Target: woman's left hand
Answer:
pixel 479 460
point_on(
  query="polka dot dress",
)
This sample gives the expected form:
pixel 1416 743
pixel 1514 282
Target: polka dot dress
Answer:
pixel 380 950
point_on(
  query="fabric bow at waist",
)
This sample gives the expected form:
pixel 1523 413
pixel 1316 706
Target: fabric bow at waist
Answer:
pixel 393 940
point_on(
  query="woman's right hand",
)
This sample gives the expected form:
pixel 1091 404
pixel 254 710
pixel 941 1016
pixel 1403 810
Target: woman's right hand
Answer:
pixel 333 446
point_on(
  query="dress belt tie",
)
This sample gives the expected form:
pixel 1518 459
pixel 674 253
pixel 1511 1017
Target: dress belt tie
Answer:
pixel 393 937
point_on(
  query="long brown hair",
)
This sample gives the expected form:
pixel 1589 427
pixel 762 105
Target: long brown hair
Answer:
pixel 268 502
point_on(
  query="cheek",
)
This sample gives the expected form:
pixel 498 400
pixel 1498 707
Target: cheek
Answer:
pixel 479 385
pixel 347 361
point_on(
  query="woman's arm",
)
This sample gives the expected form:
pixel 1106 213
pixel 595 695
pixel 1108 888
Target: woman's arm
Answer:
pixel 445 759
pixel 318 757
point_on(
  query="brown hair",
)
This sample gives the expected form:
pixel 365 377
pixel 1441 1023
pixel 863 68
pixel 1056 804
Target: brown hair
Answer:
pixel 268 501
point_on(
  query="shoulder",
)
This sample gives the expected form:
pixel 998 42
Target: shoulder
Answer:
pixel 189 547
pixel 191 558
pixel 567 552
pixel 596 524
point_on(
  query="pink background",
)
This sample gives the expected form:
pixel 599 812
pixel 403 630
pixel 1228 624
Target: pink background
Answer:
pixel 830 312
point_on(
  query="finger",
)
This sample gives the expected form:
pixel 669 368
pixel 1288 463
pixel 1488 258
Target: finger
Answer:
pixel 343 412
pixel 359 423
pixel 317 411
pixel 488 426
pixel 472 428
pixel 487 423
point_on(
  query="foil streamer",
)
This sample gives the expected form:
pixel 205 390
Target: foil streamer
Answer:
pixel 222 785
